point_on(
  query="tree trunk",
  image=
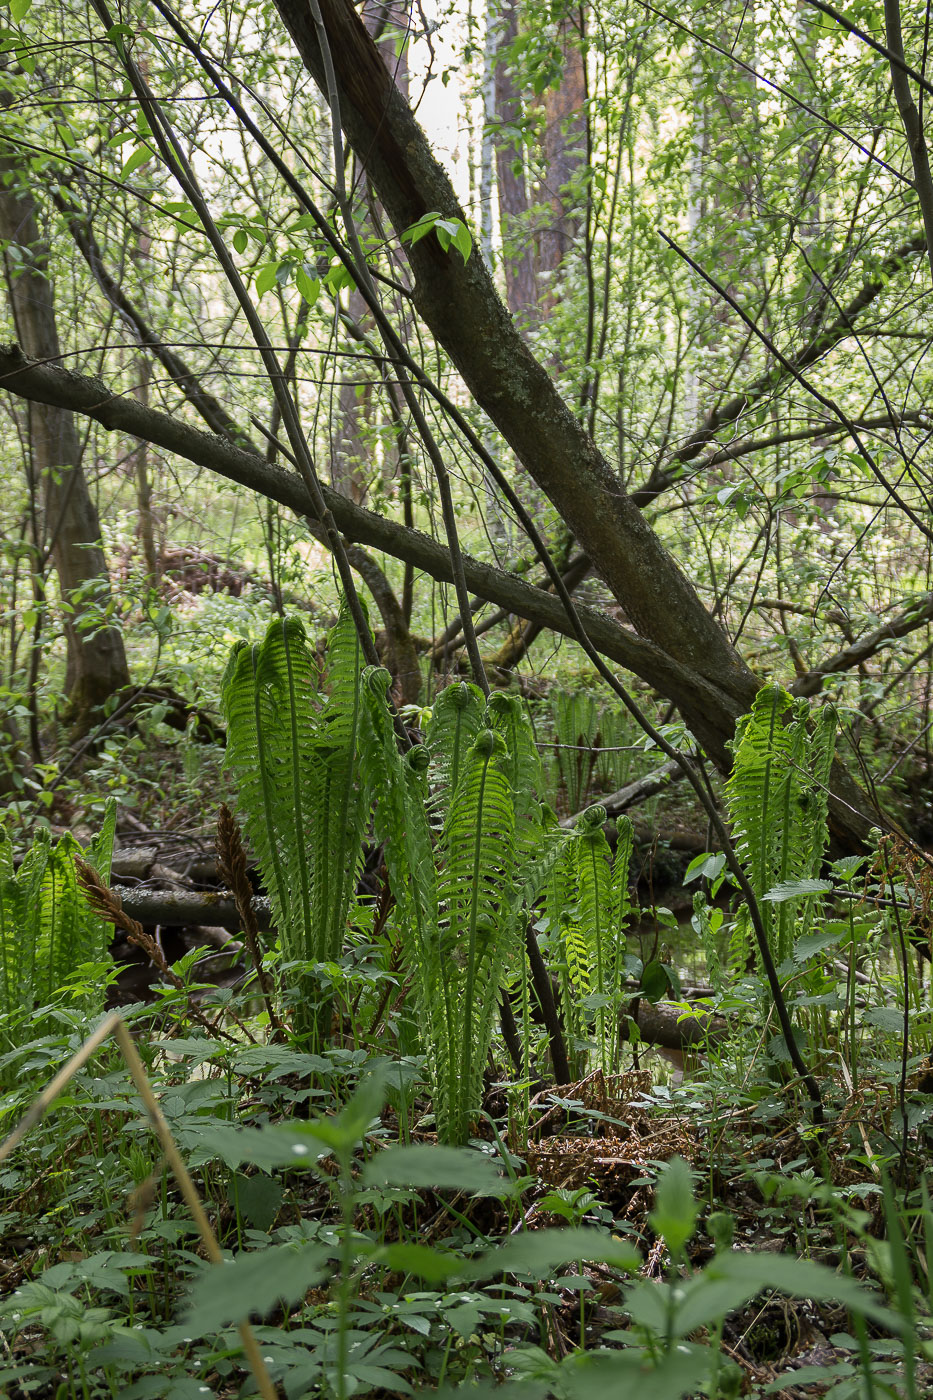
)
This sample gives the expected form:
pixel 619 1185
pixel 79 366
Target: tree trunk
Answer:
pixel 564 152
pixel 521 287
pixel 96 661
pixel 460 305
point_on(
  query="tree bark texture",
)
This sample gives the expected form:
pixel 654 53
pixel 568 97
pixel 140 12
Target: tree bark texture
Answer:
pixel 521 286
pixel 96 666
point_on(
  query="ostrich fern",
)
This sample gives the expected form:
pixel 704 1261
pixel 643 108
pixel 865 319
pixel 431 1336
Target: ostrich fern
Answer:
pixel 47 929
pixel 777 800
pixel 292 746
pixel 586 904
pixel 453 884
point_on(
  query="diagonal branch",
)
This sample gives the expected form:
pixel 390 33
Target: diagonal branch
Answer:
pixel 917 615
pixel 45 383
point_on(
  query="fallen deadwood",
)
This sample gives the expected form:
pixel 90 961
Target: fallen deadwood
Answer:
pixel 639 791
pixel 668 1027
pixel 182 908
pixel 658 1025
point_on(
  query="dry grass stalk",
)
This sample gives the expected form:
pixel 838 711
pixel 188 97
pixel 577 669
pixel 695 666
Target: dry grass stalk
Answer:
pixel 232 860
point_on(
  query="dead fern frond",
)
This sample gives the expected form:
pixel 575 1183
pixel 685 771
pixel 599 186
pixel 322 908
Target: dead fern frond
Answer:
pixel 233 867
pixel 107 907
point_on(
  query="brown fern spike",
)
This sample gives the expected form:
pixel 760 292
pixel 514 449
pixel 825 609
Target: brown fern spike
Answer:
pixel 106 905
pixel 232 860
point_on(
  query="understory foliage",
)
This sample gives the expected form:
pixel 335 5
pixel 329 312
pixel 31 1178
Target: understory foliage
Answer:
pixel 447 815
pixel 587 905
pixel 47 930
pixel 292 746
pixel 777 799
pixel 467 843
pixel 322 1216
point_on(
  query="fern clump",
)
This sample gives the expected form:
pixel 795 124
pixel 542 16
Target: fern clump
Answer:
pixel 292 745
pixel 448 826
pixel 777 799
pixel 47 929
pixel 586 907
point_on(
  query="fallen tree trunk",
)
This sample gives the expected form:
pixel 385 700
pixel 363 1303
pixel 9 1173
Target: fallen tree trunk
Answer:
pixel 179 908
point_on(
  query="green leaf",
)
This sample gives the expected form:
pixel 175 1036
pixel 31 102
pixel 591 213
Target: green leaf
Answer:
pixel 432 1265
pixel 675 1210
pixel 611 1375
pixel 541 1252
pixel 308 286
pixel 19 9
pixel 265 278
pixel 279 1146
pixel 886 1018
pixel 815 943
pixel 252 1282
pixel 463 242
pixel 793 889
pixel 241 240
pixel 425 1166
pixel 705 866
pixel 258 1198
pixel 655 981
pixel 138 158
pixel 801 1278
pixel 421 229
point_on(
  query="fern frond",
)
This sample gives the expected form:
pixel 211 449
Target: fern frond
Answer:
pixel 295 762
pixel 575 722
pixel 99 850
pixel 455 721
pixel 475 927
pixel 19 924
pixel 777 797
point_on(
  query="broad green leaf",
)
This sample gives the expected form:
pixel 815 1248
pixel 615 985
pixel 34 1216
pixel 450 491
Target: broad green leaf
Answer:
pixel 617 1375
pixel 138 158
pixel 257 1198
pixel 265 278
pixel 432 1265
pixel 794 889
pixel 492 1390
pixel 253 1282
pixel 541 1252
pixel 443 1168
pixel 421 228
pixel 675 1209
pixel 19 9
pixel 815 943
pixel 801 1278
pixel 241 240
pixel 886 1018
pixel 655 981
pixel 463 242
pixel 308 286
pixel 811 1375
pixel 279 1146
